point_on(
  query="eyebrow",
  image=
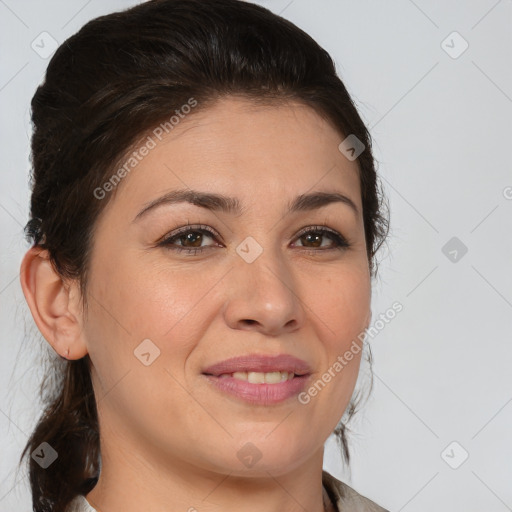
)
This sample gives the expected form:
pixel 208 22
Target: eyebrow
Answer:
pixel 232 205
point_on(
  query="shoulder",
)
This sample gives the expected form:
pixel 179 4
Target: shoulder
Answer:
pixel 80 504
pixel 346 498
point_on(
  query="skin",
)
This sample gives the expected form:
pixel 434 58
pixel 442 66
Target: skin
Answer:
pixel 169 441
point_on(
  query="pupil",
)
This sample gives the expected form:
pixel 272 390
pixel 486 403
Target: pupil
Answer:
pixel 309 236
pixel 190 237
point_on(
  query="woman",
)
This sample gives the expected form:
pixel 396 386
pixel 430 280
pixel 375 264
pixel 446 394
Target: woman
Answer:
pixel 205 215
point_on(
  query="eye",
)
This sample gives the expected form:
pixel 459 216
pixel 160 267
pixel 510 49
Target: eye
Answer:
pixel 188 235
pixel 314 235
pixel 190 238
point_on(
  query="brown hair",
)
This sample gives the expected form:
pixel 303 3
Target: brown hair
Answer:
pixel 105 87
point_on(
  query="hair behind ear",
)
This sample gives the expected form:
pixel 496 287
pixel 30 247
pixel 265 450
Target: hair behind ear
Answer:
pixel 69 424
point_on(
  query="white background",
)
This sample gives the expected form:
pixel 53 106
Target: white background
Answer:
pixel 442 134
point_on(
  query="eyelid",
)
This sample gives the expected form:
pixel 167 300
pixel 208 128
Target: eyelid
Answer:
pixel 316 227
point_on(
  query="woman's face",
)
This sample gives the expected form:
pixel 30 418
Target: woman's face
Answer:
pixel 158 318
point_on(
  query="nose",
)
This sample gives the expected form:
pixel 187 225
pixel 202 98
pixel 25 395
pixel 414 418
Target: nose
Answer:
pixel 264 297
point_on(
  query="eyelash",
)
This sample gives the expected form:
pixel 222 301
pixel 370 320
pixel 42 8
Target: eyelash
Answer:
pixel 341 242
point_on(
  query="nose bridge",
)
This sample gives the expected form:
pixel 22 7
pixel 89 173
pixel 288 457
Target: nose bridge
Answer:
pixel 264 290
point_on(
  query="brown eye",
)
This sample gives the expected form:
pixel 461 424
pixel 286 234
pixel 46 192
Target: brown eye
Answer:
pixel 189 238
pixel 315 236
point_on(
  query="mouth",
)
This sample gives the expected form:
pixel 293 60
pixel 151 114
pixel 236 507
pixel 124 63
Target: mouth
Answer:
pixel 274 377
pixel 257 388
pixel 259 369
pixel 258 379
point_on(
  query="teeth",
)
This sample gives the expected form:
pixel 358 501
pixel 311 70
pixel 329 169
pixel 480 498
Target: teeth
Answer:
pixel 261 378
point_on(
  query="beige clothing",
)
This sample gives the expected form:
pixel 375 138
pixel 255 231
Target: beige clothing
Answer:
pixel 345 498
pixel 342 495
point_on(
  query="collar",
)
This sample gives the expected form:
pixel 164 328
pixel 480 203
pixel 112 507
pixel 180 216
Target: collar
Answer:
pixel 345 498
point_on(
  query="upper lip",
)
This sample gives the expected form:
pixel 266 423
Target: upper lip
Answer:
pixel 260 363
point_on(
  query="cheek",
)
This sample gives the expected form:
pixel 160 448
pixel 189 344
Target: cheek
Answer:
pixel 136 301
pixel 149 299
pixel 339 309
pixel 339 305
pixel 130 303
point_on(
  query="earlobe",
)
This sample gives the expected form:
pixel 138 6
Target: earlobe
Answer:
pixel 51 302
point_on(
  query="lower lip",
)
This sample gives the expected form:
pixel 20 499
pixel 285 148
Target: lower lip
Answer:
pixel 261 394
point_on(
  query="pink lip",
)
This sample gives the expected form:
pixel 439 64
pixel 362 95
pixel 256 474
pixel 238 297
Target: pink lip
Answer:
pixel 260 363
pixel 260 394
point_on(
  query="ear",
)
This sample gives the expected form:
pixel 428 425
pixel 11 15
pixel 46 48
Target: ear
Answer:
pixel 54 304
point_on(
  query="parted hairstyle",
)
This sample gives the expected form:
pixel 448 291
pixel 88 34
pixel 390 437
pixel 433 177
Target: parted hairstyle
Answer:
pixel 118 77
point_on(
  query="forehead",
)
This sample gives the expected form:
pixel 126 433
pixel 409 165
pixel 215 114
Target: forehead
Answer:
pixel 243 149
